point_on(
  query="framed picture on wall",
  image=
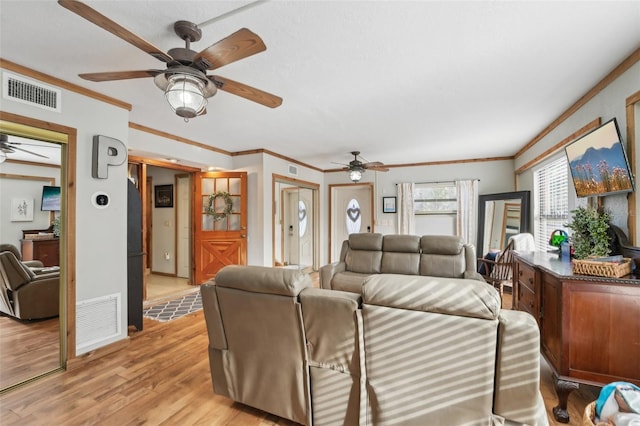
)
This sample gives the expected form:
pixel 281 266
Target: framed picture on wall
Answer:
pixel 22 209
pixel 388 204
pixel 163 195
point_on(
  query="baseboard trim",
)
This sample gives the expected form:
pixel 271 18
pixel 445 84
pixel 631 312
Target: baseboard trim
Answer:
pixel 82 360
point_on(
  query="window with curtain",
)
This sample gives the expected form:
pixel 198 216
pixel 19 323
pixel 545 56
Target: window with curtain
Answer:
pixel 435 198
pixel 551 201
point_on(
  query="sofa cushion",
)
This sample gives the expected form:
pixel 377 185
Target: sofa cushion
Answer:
pixel 262 279
pixel 442 256
pixel 452 296
pixel 441 244
pixel 348 281
pixel 400 254
pixel 365 241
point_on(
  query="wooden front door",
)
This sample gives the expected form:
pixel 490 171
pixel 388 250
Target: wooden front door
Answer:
pixel 220 239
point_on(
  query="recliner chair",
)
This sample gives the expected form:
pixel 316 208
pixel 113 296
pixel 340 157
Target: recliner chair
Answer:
pixel 24 294
pixel 13 249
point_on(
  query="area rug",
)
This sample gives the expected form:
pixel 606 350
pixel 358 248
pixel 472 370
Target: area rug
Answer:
pixel 173 309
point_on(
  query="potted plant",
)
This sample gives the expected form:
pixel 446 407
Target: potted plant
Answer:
pixel 590 237
pixel 56 226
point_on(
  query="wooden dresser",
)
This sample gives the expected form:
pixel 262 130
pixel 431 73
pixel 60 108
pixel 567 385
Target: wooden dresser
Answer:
pixel 589 326
pixel 40 244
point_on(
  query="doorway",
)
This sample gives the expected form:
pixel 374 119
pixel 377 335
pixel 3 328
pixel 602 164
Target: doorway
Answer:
pixel 167 229
pixel 295 224
pixel 351 211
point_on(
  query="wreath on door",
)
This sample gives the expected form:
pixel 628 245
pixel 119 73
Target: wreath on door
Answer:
pixel 228 207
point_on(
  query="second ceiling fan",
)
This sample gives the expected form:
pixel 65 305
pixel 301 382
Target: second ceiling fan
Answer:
pixel 356 168
pixel 184 81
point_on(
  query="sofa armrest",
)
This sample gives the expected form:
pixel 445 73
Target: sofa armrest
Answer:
pixel 473 275
pixel 333 327
pixel 33 264
pixel 517 395
pixel 328 271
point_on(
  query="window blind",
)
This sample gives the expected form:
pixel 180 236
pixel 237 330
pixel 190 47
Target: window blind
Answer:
pixel 552 201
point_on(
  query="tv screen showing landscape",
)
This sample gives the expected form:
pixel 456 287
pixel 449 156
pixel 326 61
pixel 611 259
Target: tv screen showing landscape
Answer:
pixel 50 198
pixel 598 162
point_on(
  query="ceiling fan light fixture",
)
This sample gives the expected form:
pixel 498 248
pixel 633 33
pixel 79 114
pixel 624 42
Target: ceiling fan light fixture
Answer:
pixel 3 157
pixel 186 95
pixel 355 175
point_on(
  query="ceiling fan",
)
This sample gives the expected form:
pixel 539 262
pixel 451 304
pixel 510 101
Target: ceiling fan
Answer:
pixel 184 81
pixel 7 147
pixel 356 168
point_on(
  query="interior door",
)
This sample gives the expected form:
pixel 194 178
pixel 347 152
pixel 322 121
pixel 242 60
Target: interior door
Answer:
pixel 351 212
pixel 183 226
pixel 219 241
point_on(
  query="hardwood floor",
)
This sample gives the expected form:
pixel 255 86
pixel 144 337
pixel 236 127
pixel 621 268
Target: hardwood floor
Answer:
pixel 27 349
pixel 162 377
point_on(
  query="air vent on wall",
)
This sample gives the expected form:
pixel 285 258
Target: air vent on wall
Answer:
pixel 293 170
pixel 31 92
pixel 96 321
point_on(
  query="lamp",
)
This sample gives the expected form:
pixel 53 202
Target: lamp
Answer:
pixel 355 174
pixel 187 91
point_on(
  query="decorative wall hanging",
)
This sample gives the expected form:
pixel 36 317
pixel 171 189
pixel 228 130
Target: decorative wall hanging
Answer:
pixel 211 210
pixel 388 204
pixel 22 209
pixel 163 196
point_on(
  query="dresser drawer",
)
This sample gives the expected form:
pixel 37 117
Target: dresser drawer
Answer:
pixel 527 300
pixel 526 276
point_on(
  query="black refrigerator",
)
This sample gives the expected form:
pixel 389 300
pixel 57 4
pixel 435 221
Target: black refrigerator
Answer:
pixel 134 256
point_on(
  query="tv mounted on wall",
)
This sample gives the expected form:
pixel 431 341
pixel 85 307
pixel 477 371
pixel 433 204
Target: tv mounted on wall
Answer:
pixel 598 162
pixel 50 198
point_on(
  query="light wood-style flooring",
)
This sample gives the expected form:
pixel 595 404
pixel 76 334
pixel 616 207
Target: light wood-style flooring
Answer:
pixel 162 377
pixel 27 349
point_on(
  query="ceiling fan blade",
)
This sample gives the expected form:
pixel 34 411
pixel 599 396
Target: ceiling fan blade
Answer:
pixel 103 22
pixel 247 92
pixel 239 45
pixel 28 152
pixel 377 168
pixel 119 75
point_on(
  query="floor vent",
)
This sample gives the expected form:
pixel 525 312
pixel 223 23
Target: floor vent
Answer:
pixel 97 320
pixel 293 170
pixel 32 92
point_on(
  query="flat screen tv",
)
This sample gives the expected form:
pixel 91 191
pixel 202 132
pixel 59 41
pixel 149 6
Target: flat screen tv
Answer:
pixel 50 198
pixel 598 162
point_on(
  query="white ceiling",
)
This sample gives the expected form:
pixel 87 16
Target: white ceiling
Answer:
pixel 403 82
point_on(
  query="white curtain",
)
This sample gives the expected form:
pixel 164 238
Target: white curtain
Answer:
pixel 406 223
pixel 467 218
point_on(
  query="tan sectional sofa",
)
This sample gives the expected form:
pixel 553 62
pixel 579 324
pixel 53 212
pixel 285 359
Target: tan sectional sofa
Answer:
pixel 408 350
pixel 367 254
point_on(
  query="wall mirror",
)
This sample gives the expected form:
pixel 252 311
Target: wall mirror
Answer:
pixel 295 225
pixel 499 217
pixel 36 347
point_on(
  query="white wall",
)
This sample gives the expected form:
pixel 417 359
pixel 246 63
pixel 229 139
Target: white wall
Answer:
pixel 609 103
pixel 495 177
pixel 101 240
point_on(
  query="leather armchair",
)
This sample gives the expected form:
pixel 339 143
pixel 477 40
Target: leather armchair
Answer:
pixel 13 249
pixel 25 295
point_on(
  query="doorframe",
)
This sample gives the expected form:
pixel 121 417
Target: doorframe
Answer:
pixel 144 162
pixel 331 193
pixel 42 130
pixel 177 178
pixel 315 187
